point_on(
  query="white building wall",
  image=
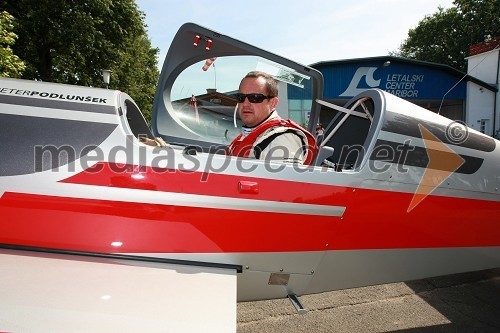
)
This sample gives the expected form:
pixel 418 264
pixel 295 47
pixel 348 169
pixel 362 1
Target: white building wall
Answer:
pixel 481 105
pixel 483 66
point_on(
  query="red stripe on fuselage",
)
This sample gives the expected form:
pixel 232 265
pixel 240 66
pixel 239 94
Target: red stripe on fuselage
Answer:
pixel 92 225
pixel 373 219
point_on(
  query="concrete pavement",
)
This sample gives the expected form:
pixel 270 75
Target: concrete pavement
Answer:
pixel 467 302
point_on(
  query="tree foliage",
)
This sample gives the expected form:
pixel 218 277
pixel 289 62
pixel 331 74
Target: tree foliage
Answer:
pixel 136 73
pixel 72 41
pixel 10 64
pixel 445 36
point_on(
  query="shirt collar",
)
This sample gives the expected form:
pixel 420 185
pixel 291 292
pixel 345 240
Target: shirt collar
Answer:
pixel 245 130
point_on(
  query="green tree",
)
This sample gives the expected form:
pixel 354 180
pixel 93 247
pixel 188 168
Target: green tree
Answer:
pixel 445 36
pixel 71 41
pixel 136 73
pixel 10 64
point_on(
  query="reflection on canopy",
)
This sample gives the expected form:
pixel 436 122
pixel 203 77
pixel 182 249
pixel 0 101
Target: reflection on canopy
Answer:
pixel 204 101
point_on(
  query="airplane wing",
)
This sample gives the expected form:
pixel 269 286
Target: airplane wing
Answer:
pixel 47 292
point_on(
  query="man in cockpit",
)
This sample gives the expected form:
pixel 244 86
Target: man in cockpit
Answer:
pixel 265 135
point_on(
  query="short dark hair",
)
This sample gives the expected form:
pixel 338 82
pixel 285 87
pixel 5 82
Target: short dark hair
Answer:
pixel 271 83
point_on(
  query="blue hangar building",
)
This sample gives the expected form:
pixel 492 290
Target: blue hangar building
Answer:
pixel 436 87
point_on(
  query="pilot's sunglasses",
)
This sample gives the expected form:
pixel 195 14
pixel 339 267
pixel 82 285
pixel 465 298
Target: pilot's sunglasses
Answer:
pixel 252 98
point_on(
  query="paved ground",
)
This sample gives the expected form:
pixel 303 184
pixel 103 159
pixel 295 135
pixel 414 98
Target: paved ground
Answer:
pixel 456 303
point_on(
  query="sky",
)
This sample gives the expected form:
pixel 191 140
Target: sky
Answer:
pixel 306 31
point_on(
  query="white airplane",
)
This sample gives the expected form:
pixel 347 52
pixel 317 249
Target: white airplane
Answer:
pixel 102 232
